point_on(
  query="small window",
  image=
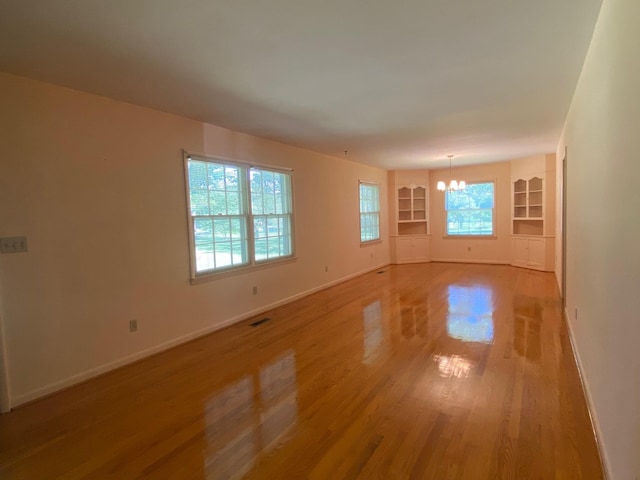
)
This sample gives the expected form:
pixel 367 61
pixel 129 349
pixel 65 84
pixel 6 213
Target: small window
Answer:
pixel 240 215
pixel 471 211
pixel 369 212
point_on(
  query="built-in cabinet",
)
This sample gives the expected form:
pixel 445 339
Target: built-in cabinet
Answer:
pixel 532 206
pixel 412 248
pixel 410 211
pixel 529 252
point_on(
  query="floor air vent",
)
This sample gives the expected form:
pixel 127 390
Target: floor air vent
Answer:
pixel 381 271
pixel 259 322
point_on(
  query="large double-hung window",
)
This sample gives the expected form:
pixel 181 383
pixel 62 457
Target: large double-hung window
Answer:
pixel 470 211
pixel 240 215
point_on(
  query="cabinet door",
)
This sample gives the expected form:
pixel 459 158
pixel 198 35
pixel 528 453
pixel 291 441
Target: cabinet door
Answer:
pixel 536 252
pixel 521 251
pixel 420 248
pixel 404 249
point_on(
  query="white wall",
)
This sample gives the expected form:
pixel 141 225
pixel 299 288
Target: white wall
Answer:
pixel 602 136
pixel 97 186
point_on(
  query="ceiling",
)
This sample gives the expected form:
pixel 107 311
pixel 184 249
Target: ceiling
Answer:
pixel 396 84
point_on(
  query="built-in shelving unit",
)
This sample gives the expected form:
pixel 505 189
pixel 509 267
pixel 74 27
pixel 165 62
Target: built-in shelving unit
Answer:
pixel 528 206
pixel 412 210
pixel 533 242
pixel 410 232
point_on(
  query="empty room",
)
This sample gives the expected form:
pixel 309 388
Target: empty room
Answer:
pixel 323 240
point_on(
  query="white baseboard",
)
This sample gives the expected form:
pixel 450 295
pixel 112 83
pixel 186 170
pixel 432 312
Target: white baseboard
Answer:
pixel 120 362
pixel 459 260
pixel 597 431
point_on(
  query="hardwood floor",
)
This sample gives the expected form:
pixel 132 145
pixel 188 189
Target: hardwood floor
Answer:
pixel 433 371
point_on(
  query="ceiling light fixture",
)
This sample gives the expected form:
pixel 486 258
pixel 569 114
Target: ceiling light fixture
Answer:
pixel 453 184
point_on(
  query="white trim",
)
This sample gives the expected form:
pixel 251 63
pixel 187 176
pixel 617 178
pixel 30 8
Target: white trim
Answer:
pixel 5 387
pixel 595 425
pixel 93 372
pixel 228 160
pixel 465 260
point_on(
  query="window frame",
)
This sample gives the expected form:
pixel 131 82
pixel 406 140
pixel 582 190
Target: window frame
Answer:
pixel 494 233
pixel 360 213
pixel 247 218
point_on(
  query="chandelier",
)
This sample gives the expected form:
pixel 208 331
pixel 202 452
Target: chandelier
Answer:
pixel 453 184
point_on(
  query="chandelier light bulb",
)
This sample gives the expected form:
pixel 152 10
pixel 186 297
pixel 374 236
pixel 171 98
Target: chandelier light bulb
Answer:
pixel 441 186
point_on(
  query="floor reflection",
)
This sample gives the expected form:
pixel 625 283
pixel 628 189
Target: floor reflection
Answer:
pixel 250 416
pixel 470 314
pixel 527 318
pixel 373 331
pixel 453 366
pixel 414 317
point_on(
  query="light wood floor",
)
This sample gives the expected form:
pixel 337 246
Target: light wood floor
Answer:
pixel 434 371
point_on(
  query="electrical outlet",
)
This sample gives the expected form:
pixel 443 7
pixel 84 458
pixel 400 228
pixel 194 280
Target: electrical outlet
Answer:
pixel 255 289
pixel 326 268
pixel 468 249
pixel 372 256
pixel 13 244
pixel 133 325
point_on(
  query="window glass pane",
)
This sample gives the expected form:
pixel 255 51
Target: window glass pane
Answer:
pixel 259 227
pixel 273 229
pixel 285 245
pixel 216 176
pixel 218 202
pixel 233 203
pixel 257 205
pixel 221 230
pixel 261 249
pixel 273 247
pixel 278 193
pixel 198 190
pixel 223 254
pixel 268 192
pixel 232 179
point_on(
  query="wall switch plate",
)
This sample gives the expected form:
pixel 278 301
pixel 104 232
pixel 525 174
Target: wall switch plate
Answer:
pixel 255 290
pixel 133 325
pixel 13 244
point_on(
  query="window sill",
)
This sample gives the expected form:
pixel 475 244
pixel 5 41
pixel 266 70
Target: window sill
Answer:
pixel 474 237
pixel 370 242
pixel 211 276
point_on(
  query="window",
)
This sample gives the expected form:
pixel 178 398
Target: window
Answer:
pixel 240 215
pixel 470 211
pixel 369 212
